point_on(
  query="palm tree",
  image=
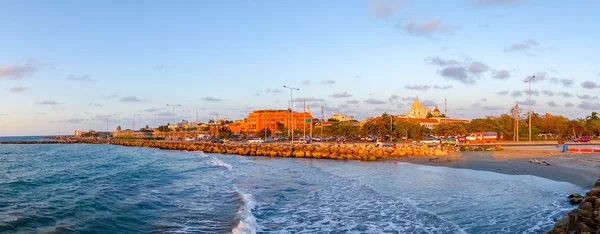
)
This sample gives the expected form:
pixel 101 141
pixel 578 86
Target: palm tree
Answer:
pixel 593 116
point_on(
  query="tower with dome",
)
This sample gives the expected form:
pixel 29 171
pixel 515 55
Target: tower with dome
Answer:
pixel 417 110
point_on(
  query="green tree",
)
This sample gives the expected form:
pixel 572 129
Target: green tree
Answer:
pixel 332 120
pixel 419 132
pixel 281 127
pixel 429 115
pixel 593 123
pixel 345 129
pixel 404 128
pixel 264 131
pixel 224 133
pixel 449 129
pixel 164 129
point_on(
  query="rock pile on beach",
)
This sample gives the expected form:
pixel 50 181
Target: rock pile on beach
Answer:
pixel 340 152
pixel 584 219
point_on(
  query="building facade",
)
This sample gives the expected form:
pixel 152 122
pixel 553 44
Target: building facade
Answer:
pixel 341 117
pixel 260 119
pixel 417 110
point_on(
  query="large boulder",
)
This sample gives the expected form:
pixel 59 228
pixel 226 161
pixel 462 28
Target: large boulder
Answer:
pixel 576 200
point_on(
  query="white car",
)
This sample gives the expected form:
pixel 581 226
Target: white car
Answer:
pixel 255 140
pixel 430 141
pixel 189 139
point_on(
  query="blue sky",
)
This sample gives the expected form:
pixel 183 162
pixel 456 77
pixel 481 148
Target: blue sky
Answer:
pixel 71 64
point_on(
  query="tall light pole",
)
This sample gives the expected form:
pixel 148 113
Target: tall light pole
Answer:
pixel 217 127
pixel 119 118
pixel 292 107
pixel 153 123
pixel 529 102
pixel 391 127
pixel 106 135
pixel 173 118
pixel 133 129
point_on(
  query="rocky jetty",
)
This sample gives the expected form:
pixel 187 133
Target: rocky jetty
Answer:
pixel 340 152
pixel 584 219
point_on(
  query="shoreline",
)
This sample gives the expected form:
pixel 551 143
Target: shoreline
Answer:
pixel 582 170
pixel 514 167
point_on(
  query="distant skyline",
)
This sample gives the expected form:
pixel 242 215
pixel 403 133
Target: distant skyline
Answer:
pixel 68 64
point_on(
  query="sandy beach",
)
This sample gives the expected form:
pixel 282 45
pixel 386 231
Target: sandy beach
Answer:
pixel 579 169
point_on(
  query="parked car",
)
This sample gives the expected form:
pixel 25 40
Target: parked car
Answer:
pixel 450 141
pixel 429 141
pixel 281 138
pixel 217 140
pixel 189 139
pixel 268 140
pixel 255 140
pixel 583 139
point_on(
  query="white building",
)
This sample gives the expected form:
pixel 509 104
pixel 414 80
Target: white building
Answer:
pixel 341 117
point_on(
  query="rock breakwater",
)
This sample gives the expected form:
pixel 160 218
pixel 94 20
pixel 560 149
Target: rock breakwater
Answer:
pixel 339 152
pixel 584 219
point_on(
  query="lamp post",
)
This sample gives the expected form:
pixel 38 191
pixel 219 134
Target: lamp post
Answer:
pixel 217 126
pixel 529 102
pixel 292 107
pixel 173 118
pixel 391 127
pixel 133 128
pixel 153 123
pixel 119 118
pixel 106 135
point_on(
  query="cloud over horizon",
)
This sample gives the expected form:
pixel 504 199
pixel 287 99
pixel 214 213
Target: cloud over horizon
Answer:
pixel 17 72
pixel 374 101
pixel 131 99
pixel 383 9
pixel 429 28
pixel 466 73
pixel 341 95
pixel 18 89
pixel 590 85
pixel 47 103
pixel 212 99
pixel 86 77
pixel 525 46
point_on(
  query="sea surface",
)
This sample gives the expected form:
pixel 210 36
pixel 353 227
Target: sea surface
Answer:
pixel 23 138
pixel 115 189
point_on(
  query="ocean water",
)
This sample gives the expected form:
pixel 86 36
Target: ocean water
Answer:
pixel 115 189
pixel 22 138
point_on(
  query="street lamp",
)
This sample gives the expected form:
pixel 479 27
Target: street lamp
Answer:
pixel 292 107
pixel 529 102
pixel 173 118
pixel 119 119
pixel 133 128
pixel 153 123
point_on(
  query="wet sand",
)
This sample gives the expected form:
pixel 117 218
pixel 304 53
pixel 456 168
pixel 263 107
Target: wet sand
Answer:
pixel 580 169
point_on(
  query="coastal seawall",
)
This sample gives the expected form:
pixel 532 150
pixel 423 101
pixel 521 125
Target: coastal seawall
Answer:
pixel 584 219
pixel 340 152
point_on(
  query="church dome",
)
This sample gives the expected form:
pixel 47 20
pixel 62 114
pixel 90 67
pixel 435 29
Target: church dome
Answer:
pixel 416 105
pixel 436 110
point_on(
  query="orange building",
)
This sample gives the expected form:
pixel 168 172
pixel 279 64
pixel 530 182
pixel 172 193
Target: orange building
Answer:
pixel 260 119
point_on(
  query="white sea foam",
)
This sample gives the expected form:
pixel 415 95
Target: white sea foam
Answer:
pixel 202 154
pixel 247 222
pixel 219 163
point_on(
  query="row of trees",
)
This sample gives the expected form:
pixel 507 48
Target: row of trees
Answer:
pixel 542 127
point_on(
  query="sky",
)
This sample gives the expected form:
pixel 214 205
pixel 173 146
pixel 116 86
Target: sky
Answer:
pixel 67 65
